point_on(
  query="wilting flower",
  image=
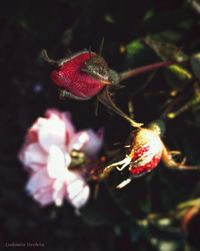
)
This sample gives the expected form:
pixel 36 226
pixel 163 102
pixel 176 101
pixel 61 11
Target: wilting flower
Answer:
pixel 80 76
pixel 145 153
pixel 50 155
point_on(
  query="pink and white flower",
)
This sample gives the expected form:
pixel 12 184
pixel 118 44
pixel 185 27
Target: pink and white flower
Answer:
pixel 46 156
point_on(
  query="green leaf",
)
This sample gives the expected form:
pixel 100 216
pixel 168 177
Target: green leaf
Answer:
pixel 135 48
pixel 137 53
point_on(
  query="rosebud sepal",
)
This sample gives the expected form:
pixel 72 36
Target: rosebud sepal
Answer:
pixel 63 94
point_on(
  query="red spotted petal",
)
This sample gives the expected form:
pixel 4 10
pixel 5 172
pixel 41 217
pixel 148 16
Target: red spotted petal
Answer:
pixel 146 152
pixel 139 170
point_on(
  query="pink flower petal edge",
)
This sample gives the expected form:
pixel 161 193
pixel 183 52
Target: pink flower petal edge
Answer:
pixel 46 156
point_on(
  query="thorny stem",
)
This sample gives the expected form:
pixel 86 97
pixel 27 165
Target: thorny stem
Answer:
pixel 144 69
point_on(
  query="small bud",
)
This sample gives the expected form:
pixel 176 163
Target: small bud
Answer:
pixel 72 77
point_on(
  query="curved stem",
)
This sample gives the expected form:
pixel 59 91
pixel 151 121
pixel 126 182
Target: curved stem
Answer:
pixel 105 99
pixel 189 203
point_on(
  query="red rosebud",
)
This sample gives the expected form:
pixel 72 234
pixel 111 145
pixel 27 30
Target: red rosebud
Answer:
pixel 83 76
pixel 75 80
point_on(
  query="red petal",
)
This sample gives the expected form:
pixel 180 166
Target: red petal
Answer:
pixel 73 79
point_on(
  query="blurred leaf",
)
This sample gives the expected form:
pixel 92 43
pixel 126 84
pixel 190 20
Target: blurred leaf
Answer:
pixel 181 72
pixel 169 36
pixel 166 245
pixel 166 51
pixel 135 48
pixel 165 21
pixel 177 76
pixel 195 63
pixel 108 18
pixel 149 14
pixel 195 4
pixel 137 52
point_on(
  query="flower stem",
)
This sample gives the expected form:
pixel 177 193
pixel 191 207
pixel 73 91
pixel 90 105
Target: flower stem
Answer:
pixel 144 69
pixel 105 98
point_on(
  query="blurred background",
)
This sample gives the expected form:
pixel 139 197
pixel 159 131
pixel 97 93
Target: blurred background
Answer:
pixel 149 214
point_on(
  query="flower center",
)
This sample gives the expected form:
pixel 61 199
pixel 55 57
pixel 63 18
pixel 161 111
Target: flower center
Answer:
pixel 77 159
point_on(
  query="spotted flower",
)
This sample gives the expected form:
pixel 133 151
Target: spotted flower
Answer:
pixel 145 153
